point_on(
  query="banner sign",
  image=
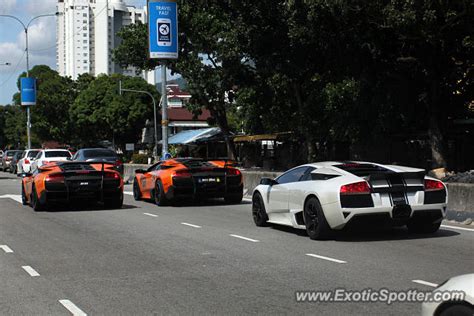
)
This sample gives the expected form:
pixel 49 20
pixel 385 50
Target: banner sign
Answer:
pixel 163 29
pixel 28 91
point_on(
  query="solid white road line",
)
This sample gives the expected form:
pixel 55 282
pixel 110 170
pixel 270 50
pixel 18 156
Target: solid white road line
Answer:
pixel 244 238
pixel 70 306
pixel 6 248
pixel 457 227
pixel 149 214
pixel 31 271
pixel 14 197
pixel 191 225
pixel 128 192
pixel 425 283
pixel 326 258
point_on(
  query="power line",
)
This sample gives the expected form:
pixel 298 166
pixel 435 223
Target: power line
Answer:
pixel 14 70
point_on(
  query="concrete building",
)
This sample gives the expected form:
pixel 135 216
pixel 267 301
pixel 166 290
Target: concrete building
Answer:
pixel 87 34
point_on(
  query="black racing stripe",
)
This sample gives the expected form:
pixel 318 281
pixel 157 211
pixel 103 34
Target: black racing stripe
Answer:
pixel 398 196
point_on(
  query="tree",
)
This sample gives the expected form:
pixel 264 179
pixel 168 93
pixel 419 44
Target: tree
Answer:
pixel 210 60
pixel 55 95
pixel 100 113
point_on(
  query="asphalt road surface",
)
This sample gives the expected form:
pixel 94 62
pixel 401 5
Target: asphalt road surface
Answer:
pixel 204 259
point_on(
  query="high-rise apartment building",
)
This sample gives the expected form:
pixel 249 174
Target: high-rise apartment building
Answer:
pixel 87 34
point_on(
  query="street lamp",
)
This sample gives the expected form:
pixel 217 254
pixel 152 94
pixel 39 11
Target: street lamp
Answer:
pixel 155 149
pixel 25 28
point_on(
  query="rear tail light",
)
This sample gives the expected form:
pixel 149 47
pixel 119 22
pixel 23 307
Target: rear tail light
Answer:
pixel 183 173
pixel 27 161
pixel 233 172
pixel 55 178
pixel 355 188
pixel 111 175
pixel 9 158
pixel 118 163
pixel 433 185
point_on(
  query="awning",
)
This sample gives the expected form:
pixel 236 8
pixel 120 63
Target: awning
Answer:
pixel 192 136
pixel 254 138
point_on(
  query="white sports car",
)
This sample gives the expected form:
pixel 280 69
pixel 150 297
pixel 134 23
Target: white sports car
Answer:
pixel 325 196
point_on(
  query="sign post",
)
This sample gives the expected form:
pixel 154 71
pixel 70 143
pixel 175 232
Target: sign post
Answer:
pixel 28 91
pixel 163 44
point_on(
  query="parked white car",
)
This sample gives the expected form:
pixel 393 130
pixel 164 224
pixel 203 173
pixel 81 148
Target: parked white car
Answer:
pixel 24 164
pixel 46 156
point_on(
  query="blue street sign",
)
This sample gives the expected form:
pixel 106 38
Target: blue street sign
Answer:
pixel 163 29
pixel 28 91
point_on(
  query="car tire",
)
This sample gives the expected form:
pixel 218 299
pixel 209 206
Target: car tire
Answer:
pixel 259 214
pixel 35 201
pixel 234 198
pixel 159 194
pixel 419 227
pixel 114 203
pixel 457 310
pixel 137 195
pixel 316 225
pixel 23 195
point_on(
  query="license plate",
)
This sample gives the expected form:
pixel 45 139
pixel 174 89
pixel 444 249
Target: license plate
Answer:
pixel 207 180
pixel 84 183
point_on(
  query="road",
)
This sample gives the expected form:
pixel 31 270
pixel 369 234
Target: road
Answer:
pixel 203 259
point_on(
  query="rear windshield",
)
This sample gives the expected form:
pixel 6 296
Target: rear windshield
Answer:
pixel 10 153
pixel 33 153
pixel 99 153
pixel 57 153
pixel 362 169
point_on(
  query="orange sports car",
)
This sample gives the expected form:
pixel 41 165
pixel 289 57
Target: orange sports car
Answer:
pixel 65 182
pixel 188 178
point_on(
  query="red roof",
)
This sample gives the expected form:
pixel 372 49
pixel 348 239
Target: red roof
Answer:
pixel 175 91
pixel 182 114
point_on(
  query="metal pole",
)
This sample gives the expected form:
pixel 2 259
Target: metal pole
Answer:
pixel 28 116
pixel 164 111
pixel 155 149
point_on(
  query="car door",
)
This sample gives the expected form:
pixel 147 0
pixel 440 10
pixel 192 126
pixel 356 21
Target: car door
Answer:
pixel 150 177
pixel 279 192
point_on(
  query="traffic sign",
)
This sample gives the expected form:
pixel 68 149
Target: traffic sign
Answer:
pixel 28 91
pixel 163 29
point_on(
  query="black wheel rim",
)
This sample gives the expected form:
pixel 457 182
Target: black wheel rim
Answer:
pixel 257 210
pixel 158 193
pixel 311 217
pixel 136 194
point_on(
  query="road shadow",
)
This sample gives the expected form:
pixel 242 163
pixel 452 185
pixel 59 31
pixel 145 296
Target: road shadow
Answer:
pixel 87 208
pixel 371 234
pixel 201 203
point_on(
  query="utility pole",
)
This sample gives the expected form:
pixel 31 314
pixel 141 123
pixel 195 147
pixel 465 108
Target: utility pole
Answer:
pixel 25 28
pixel 164 111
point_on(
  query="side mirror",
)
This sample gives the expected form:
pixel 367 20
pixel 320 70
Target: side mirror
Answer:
pixel 140 171
pixel 268 181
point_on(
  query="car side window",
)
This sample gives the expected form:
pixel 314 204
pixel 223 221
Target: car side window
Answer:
pixel 307 174
pixel 38 156
pixel 155 167
pixel 292 176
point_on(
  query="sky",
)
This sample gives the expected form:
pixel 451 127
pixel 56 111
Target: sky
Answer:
pixel 42 40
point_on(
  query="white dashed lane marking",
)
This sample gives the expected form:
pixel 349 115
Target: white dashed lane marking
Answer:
pixel 191 225
pixel 425 283
pixel 6 248
pixel 31 271
pixel 244 238
pixel 70 306
pixel 325 258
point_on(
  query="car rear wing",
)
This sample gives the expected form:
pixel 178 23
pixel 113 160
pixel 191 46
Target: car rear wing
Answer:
pixel 385 182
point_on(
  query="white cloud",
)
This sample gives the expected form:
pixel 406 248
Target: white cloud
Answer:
pixel 41 37
pixel 6 6
pixel 34 7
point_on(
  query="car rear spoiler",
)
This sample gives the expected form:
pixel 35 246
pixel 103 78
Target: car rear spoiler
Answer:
pixel 418 175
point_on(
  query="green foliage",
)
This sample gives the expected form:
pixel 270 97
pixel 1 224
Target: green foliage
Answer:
pixel 100 113
pixel 140 158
